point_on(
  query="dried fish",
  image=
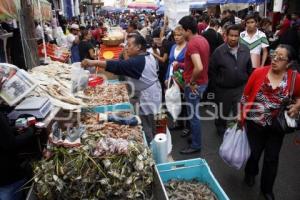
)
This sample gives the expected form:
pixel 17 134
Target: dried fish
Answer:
pixel 188 189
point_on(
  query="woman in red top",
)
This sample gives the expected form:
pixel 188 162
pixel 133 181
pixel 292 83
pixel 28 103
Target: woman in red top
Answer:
pixel 263 95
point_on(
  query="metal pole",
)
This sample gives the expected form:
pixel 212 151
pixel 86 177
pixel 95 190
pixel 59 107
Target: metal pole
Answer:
pixel 42 25
pixel 266 4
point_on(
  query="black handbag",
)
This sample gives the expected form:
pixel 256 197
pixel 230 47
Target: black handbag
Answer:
pixel 280 120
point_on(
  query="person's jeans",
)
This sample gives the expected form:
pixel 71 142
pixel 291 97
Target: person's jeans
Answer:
pixel 193 101
pixel 13 191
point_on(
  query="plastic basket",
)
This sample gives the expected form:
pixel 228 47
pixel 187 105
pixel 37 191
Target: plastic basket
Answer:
pixel 187 170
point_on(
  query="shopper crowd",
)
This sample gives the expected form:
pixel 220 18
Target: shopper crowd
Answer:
pixel 225 60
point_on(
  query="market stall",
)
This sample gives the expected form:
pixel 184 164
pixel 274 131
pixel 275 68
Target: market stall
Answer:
pixel 95 147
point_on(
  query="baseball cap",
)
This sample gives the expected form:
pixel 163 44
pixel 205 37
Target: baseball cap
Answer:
pixel 74 26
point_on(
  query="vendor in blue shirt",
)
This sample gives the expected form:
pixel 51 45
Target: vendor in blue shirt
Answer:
pixel 141 70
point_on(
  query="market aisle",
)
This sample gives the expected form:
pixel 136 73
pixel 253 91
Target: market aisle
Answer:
pixel 231 180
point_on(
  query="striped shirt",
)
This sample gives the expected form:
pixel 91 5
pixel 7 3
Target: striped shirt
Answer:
pixel 255 43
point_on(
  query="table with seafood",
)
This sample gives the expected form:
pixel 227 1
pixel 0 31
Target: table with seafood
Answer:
pixel 97 155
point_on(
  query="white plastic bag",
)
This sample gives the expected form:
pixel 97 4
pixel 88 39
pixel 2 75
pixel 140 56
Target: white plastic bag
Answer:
pixel 79 77
pixel 173 99
pixel 235 149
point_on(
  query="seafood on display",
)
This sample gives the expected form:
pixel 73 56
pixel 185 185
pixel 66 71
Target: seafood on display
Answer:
pixel 78 174
pixel 54 82
pixel 106 94
pixel 188 189
pixel 110 129
pixel 111 146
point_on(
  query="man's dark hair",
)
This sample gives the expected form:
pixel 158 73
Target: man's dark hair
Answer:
pixel 139 40
pixel 288 16
pixel 233 27
pixel 251 16
pixel 188 23
pixel 133 25
pixel 214 22
pixel 233 12
pixel 156 32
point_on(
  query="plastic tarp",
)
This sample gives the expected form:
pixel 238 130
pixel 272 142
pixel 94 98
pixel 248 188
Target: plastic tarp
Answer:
pixel 218 2
pixel 8 9
pixel 45 12
pixel 160 10
pixel 198 5
pixel 143 4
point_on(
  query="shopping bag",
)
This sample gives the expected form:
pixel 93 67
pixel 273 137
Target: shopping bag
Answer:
pixel 235 149
pixel 173 99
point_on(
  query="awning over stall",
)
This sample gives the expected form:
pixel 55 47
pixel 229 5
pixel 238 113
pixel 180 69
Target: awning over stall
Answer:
pixel 8 9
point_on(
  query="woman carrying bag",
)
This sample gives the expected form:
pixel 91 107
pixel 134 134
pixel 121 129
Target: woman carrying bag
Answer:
pixel 266 90
pixel 176 60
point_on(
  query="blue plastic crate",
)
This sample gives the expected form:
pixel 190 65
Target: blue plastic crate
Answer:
pixel 119 107
pixel 190 169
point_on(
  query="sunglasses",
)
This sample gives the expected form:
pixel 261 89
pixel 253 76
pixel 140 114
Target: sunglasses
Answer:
pixel 278 58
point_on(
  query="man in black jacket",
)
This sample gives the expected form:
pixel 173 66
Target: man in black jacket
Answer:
pixel 214 38
pixel 229 69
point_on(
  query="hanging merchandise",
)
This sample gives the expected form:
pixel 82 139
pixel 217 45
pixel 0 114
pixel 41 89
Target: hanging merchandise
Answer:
pixel 45 10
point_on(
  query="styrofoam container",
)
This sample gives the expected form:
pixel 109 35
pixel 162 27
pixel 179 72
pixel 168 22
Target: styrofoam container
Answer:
pixel 187 170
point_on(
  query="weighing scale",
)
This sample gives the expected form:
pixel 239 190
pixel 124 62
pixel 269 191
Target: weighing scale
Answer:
pixel 39 107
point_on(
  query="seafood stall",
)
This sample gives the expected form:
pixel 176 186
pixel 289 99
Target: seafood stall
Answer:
pixel 95 147
pixel 97 150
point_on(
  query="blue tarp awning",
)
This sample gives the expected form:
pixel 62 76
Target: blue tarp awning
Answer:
pixel 160 10
pixel 198 5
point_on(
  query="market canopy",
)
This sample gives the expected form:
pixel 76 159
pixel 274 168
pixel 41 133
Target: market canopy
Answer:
pixel 160 10
pixel 143 4
pixel 45 12
pixel 9 8
pixel 198 5
pixel 218 2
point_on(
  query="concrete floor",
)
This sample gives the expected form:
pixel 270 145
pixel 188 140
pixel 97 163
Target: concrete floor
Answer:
pixel 287 185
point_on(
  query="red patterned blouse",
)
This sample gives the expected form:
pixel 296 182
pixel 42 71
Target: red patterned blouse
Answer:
pixel 267 102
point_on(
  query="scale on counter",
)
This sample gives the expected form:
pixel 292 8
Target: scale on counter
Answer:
pixel 39 107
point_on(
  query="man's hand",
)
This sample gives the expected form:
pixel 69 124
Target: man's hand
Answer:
pixel 166 83
pixel 175 66
pixel 86 63
pixel 293 111
pixel 194 88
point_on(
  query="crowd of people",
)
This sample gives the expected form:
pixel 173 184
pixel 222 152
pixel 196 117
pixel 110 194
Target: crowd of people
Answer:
pixel 240 61
pixel 225 60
